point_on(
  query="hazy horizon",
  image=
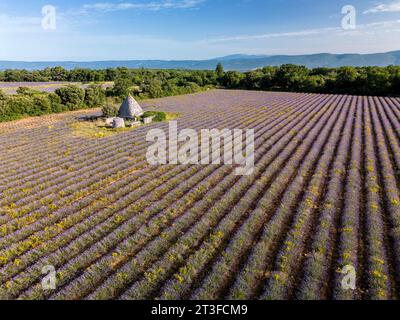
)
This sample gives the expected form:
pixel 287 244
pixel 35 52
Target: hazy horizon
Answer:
pixel 211 58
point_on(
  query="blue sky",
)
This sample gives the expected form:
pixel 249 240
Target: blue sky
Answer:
pixel 193 29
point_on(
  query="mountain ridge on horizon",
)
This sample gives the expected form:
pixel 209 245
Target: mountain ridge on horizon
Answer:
pixel 237 62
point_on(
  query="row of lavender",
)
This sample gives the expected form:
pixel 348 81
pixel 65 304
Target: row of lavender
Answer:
pixel 12 238
pixel 12 87
pixel 324 195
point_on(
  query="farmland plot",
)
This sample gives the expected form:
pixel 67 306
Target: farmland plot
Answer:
pixel 12 87
pixel 324 197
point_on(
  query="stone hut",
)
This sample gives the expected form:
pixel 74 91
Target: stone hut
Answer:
pixel 130 109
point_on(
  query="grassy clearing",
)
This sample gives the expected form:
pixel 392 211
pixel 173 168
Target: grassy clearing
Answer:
pixel 97 129
pixel 172 116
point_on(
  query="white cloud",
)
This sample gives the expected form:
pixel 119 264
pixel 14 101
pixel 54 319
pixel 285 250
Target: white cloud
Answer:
pixel 370 28
pixel 155 6
pixel 393 6
pixel 19 24
pixel 271 35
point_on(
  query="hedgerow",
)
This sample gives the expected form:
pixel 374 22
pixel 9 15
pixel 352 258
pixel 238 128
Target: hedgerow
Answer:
pixel 28 102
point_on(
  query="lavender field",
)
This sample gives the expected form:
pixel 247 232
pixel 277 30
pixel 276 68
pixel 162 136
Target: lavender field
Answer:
pixel 12 87
pixel 325 194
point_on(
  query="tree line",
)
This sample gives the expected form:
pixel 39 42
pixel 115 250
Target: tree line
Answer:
pixel 141 83
pixel 345 80
pixel 144 83
pixel 29 102
pixel 158 83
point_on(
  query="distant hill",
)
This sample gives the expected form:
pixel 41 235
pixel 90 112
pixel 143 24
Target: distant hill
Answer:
pixel 237 62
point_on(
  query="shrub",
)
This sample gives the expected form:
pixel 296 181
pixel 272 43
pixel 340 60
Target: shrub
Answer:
pixel 94 96
pixel 220 70
pixel 110 111
pixel 19 104
pixel 4 110
pixel 2 95
pixel 27 91
pixel 152 88
pixel 122 86
pixel 56 105
pixel 71 96
pixel 192 87
pixel 42 105
pixel 28 105
pixel 157 115
pixel 232 79
pixel 30 102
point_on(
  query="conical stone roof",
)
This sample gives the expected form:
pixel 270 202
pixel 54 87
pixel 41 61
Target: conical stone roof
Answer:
pixel 130 109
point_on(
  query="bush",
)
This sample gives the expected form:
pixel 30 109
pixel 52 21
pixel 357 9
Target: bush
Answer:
pixel 191 87
pixel 2 95
pixel 122 86
pixel 71 96
pixel 232 79
pixel 29 102
pixel 27 105
pixel 153 89
pixel 4 110
pixel 56 105
pixel 94 96
pixel 22 105
pixel 395 84
pixel 41 105
pixel 27 91
pixel 157 116
pixel 110 111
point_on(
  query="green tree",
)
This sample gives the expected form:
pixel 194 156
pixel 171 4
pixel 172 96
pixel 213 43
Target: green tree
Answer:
pixel 20 105
pixel 109 111
pixel 94 96
pixel 154 89
pixel 346 79
pixel 313 83
pixel 42 105
pixel 56 105
pixel 220 70
pixel 233 79
pixel 110 74
pixel 192 87
pixel 58 74
pixel 290 77
pixel 378 80
pixel 253 80
pixel 268 80
pixel 395 81
pixel 71 96
pixel 27 91
pixel 122 87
